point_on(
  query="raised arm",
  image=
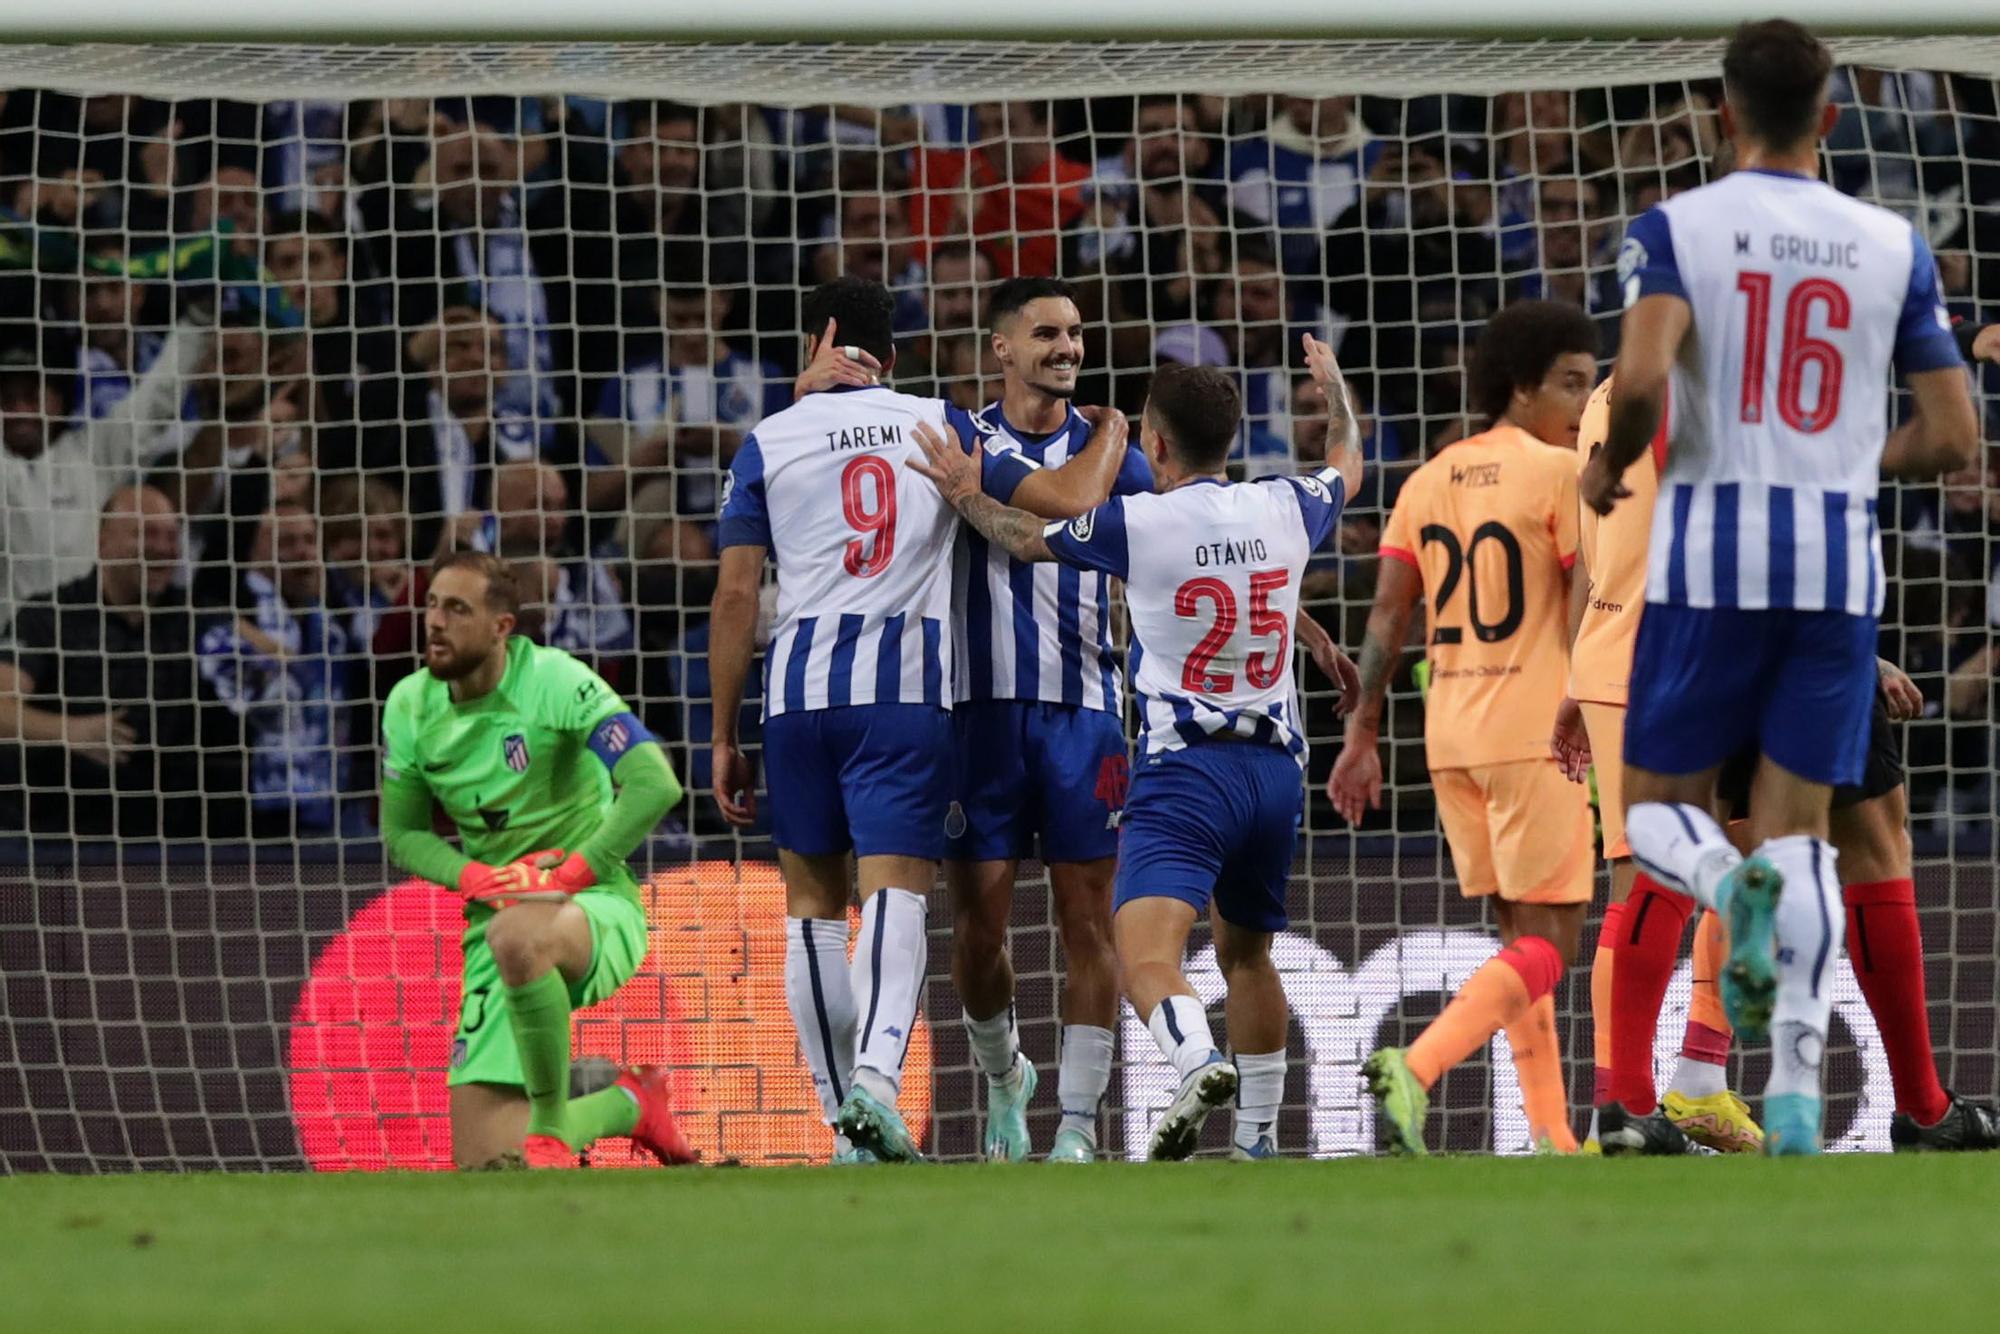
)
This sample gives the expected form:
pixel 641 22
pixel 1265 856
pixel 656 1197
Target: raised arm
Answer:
pixel 120 440
pixel 1343 428
pixel 956 476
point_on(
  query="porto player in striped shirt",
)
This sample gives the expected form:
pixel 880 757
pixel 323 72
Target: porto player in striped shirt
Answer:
pixel 858 743
pixel 1211 575
pixel 1771 309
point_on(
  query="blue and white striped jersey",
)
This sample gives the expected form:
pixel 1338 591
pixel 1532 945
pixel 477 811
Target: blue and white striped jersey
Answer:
pixel 1036 631
pixel 862 543
pixel 1802 299
pixel 1211 573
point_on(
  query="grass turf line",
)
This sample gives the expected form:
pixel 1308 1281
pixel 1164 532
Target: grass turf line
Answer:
pixel 1465 1244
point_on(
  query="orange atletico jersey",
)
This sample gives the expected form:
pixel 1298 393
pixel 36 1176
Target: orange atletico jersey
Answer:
pixel 1489 525
pixel 1614 557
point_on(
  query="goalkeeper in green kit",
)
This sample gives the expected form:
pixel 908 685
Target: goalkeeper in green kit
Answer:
pixel 524 747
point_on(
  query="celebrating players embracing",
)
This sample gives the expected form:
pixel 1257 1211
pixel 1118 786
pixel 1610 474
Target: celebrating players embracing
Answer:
pixel 858 744
pixel 1489 527
pixel 523 746
pixel 1769 307
pixel 1211 575
pixel 1041 744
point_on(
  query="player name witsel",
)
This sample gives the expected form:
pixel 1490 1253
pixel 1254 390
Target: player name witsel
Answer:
pixel 1230 553
pixel 870 435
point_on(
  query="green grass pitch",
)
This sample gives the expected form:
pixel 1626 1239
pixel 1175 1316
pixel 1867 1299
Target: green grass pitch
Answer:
pixel 1699 1246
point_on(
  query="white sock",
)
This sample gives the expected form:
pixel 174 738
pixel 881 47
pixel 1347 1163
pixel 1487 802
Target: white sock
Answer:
pixel 889 962
pixel 1698 1079
pixel 1680 846
pixel 995 1042
pixel 1180 1026
pixel 822 1003
pixel 1083 1077
pixel 1260 1087
pixel 1810 922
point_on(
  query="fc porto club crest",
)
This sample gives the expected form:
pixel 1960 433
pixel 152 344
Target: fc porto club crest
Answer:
pixel 515 748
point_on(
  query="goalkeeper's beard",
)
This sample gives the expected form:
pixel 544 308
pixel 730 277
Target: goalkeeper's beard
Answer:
pixel 453 664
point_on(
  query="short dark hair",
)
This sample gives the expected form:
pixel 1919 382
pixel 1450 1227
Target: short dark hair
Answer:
pixel 1775 74
pixel 1197 409
pixel 865 309
pixel 503 586
pixel 642 114
pixel 1517 347
pixel 1014 293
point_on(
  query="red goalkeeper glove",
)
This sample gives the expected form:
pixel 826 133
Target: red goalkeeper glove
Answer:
pixel 573 874
pixel 499 886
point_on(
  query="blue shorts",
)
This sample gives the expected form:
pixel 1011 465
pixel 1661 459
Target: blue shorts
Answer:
pixel 1025 768
pixel 871 777
pixel 1795 685
pixel 1217 820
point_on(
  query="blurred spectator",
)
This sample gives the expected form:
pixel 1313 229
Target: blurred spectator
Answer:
pixel 452 431
pixel 1403 257
pixel 53 482
pixel 583 608
pixel 1570 260
pixel 966 372
pixel 1301 175
pixel 960 277
pixel 1166 151
pixel 1894 144
pixel 369 571
pixel 116 347
pixel 1534 138
pixel 1250 309
pixel 461 228
pixel 278 659
pixel 873 241
pixel 683 411
pixel 1011 191
pixel 99 685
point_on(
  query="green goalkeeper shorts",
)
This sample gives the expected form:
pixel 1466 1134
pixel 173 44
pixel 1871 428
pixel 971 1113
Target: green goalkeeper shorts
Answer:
pixel 483 1051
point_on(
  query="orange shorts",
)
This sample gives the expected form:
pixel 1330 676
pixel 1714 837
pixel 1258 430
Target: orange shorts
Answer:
pixel 1606 725
pixel 1519 830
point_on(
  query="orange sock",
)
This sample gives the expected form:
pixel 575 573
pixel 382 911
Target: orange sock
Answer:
pixel 1600 1002
pixel 1497 995
pixel 1711 947
pixel 1538 1063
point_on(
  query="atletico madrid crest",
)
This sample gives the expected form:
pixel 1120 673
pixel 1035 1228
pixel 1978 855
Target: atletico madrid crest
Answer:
pixel 516 749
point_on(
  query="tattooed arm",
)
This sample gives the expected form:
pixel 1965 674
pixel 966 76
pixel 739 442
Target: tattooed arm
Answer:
pixel 1355 786
pixel 956 475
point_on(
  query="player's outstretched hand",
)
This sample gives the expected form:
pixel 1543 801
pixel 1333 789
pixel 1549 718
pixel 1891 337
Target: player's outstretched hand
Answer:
pixel 735 785
pixel 1355 785
pixel 1599 489
pixel 1899 692
pixel 1569 742
pixel 834 365
pixel 951 469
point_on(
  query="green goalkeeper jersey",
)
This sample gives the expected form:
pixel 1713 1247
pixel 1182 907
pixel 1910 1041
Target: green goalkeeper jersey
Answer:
pixel 523 768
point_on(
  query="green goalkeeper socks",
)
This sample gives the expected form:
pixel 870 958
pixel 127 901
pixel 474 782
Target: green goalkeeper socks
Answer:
pixel 610 1111
pixel 539 1012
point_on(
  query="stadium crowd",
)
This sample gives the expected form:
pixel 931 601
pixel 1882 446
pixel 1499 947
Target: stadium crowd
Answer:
pixel 259 364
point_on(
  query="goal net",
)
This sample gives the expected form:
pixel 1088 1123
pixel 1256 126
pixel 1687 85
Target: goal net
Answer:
pixel 331 307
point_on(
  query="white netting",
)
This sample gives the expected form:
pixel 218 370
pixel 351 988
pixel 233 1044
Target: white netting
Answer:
pixel 486 300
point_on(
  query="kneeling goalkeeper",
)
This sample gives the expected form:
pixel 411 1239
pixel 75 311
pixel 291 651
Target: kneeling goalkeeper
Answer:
pixel 523 747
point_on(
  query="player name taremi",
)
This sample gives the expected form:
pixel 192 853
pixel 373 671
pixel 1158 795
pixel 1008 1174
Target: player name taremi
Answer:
pixel 1230 553
pixel 868 436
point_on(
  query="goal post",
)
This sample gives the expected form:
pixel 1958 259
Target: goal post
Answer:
pixel 374 276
